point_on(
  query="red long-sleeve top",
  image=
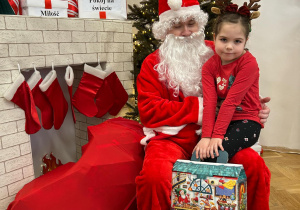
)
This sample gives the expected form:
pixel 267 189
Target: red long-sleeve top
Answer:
pixel 237 83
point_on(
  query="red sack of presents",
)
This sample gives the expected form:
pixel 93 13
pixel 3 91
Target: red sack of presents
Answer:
pixel 103 178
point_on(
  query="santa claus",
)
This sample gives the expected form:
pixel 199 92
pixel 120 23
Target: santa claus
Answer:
pixel 170 107
pixel 182 197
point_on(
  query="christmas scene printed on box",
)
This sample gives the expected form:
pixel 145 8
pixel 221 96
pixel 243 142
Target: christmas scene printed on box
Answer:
pixel 208 186
pixel 103 9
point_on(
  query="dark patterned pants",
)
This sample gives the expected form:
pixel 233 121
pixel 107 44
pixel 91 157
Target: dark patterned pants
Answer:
pixel 240 134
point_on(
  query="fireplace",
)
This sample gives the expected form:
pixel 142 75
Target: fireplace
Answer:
pixel 63 41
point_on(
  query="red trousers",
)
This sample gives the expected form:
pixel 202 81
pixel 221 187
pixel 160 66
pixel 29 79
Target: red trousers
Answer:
pixel 154 184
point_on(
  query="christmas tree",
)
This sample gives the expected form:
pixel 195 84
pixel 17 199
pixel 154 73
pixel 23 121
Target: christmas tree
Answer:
pixel 144 42
pixel 5 8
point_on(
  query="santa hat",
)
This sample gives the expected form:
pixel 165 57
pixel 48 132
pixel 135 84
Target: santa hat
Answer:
pixel 171 11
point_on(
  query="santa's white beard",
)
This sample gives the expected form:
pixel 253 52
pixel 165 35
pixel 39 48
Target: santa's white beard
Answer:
pixel 181 60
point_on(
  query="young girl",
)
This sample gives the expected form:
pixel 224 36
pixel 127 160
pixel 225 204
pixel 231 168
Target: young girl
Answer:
pixel 231 75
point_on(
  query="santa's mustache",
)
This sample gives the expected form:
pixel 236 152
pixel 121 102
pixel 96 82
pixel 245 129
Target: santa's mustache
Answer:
pixel 185 38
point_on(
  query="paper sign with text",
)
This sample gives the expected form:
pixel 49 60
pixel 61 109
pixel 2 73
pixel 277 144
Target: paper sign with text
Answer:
pixel 103 9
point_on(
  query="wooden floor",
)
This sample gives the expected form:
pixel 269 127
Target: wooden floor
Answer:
pixel 285 180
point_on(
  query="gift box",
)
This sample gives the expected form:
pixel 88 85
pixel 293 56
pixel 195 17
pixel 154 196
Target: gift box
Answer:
pixel 73 8
pixel 103 9
pixel 45 8
pixel 208 186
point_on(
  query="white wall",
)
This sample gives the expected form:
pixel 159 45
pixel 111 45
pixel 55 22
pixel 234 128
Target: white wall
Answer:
pixel 275 42
pixel 131 2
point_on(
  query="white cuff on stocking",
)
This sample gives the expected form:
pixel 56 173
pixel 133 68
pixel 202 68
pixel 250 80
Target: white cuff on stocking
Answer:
pixel 48 80
pixel 9 94
pixel 34 79
pixel 69 76
pixel 93 71
pixel 108 71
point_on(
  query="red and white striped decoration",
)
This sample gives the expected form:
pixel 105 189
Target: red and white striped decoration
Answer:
pixel 73 8
pixel 15 5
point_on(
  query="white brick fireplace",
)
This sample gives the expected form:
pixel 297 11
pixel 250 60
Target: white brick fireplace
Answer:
pixel 64 41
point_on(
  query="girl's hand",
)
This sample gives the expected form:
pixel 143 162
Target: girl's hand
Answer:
pixel 201 148
pixel 265 110
pixel 214 145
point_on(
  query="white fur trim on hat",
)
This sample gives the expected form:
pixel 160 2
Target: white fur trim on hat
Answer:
pixel 93 71
pixel 167 19
pixel 48 80
pixel 34 79
pixel 69 76
pixel 10 92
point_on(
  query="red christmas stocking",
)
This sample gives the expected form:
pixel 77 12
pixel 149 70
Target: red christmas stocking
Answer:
pixel 50 87
pixel 104 97
pixel 120 95
pixel 69 77
pixel 83 98
pixel 19 93
pixel 41 100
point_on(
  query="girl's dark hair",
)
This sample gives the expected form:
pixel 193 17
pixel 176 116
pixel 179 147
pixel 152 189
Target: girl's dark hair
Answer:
pixel 232 18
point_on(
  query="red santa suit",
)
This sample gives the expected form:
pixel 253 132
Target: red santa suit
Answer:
pixel 172 123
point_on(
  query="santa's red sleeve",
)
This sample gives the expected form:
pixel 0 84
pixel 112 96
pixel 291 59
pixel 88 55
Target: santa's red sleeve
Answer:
pixel 156 103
